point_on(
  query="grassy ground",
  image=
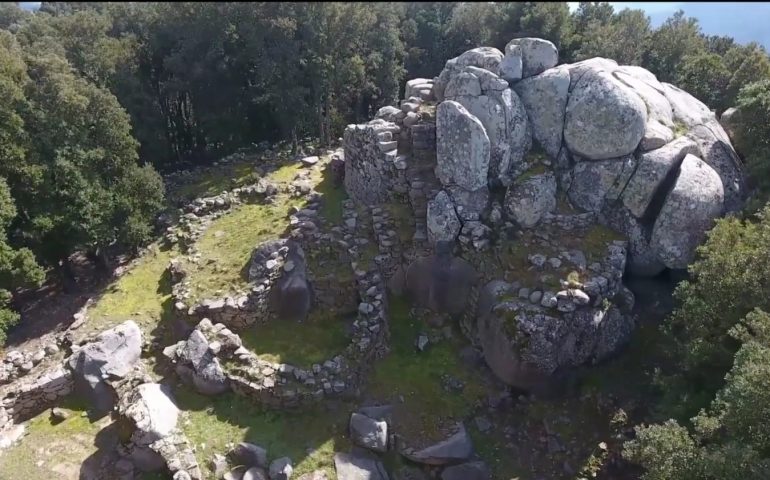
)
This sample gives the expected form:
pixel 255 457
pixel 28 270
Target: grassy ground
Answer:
pixel 65 451
pixel 309 437
pixel 319 338
pixel 215 182
pixel 226 247
pixel 142 294
pixel 412 380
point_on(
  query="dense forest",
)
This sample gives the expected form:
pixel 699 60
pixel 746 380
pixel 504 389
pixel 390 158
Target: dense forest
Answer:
pixel 97 98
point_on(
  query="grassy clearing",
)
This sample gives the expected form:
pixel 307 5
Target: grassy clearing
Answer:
pixel 226 246
pixel 142 294
pixel 309 437
pixel 62 451
pixel 416 377
pixel 319 338
pixel 214 182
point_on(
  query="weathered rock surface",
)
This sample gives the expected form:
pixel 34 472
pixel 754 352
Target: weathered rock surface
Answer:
pixel 527 201
pixel 113 354
pixel 653 169
pixel 153 411
pixel 443 223
pixel 462 147
pixel 281 469
pixel 718 153
pixel 249 454
pixel 688 212
pixel 454 449
pixel 545 100
pixel 537 55
pixel 357 467
pixel 467 471
pixel 369 433
pixel 604 118
pixel 594 182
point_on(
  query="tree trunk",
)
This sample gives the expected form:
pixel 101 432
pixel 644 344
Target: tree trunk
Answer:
pixel 67 276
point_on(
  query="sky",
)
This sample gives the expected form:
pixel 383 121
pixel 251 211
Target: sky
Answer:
pixel 744 21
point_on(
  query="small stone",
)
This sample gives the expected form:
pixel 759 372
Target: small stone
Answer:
pixel 309 161
pixel 554 262
pixel 524 293
pixel 218 465
pixel 535 296
pixel 422 342
pixel 59 414
pixel 549 300
pixel 281 469
pixel 537 260
pixel 482 424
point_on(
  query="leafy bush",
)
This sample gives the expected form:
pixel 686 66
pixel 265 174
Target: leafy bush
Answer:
pixel 731 439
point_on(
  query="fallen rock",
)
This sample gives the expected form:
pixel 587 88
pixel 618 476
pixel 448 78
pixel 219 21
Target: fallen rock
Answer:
pixel 357 467
pixel 255 473
pixel 249 454
pixel 113 354
pixel 467 471
pixel 281 469
pixel 454 449
pixel 369 433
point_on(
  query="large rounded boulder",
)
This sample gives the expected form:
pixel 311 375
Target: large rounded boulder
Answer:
pixel 688 212
pixel 604 118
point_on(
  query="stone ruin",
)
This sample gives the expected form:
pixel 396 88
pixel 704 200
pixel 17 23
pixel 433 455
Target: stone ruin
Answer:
pixel 552 182
pixel 531 188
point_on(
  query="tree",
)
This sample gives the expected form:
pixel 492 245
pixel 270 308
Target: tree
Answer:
pixel 705 76
pixel 622 37
pixel 670 43
pixel 729 439
pixel 548 20
pixel 18 268
pixel 751 135
pixel 425 35
pixel 748 64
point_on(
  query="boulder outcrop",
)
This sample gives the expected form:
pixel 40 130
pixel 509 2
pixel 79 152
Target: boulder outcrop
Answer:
pixel 573 175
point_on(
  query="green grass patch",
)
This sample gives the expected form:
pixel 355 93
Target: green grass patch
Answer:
pixel 60 450
pixel 403 218
pixel 333 196
pixel 216 181
pixel 535 169
pixel 142 294
pixel 416 376
pixel 227 243
pixel 317 339
pixel 309 436
pixel 595 241
pixel 285 173
pixel 679 129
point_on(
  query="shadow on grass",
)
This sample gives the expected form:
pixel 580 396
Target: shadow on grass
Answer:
pixel 319 338
pixel 309 436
